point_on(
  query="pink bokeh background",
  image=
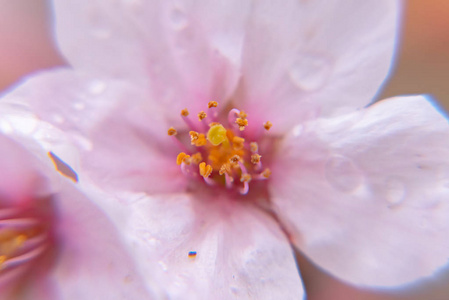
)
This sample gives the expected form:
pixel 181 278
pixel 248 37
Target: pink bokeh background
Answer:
pixel 422 67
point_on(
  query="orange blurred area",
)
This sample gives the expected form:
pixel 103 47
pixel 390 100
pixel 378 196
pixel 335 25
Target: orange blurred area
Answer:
pixel 422 67
pixel 423 59
pixel 25 40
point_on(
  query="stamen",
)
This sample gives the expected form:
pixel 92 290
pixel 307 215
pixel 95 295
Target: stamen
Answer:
pixel 254 147
pixel 243 114
pixel 182 158
pixel 242 123
pixel 193 137
pixel 196 158
pixel 245 178
pixel 184 112
pixel 212 124
pixel 201 141
pixel 234 160
pixel 201 115
pixel 237 143
pixel 255 158
pixel 185 117
pixel 245 188
pixel 212 104
pixel 267 125
pixel 205 170
pixel 229 180
pixel 172 131
pixel 217 135
pixel 265 174
pixel 224 169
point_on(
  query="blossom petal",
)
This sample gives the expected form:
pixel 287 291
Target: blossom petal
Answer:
pixel 86 247
pixel 237 251
pixel 187 51
pixel 366 195
pixel 92 262
pixel 96 115
pixel 308 58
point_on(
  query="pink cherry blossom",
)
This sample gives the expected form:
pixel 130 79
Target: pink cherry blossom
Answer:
pixel 55 243
pixel 360 189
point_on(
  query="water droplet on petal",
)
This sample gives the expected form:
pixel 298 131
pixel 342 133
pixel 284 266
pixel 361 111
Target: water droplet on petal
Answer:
pixel 343 174
pixel 178 19
pixel 310 72
pixel 97 87
pixel 394 191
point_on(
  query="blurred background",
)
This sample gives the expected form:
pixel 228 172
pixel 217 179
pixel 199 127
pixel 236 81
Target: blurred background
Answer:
pixel 422 67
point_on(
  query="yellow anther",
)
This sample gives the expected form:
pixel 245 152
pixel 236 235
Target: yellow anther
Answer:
pixel 224 169
pixel 202 115
pixel 205 170
pixel 212 104
pixel 267 125
pixel 254 147
pixel 245 178
pixel 2 260
pixel 234 160
pixel 200 141
pixel 193 137
pixel 216 135
pixel 184 112
pixel 182 158
pixel 238 143
pixel 172 131
pixel 196 158
pixel 266 173
pixel 255 158
pixel 212 124
pixel 242 114
pixel 242 123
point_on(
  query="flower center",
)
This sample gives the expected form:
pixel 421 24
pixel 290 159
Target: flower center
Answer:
pixel 219 153
pixel 22 239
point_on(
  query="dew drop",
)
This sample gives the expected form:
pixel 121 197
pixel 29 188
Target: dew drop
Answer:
pixel 178 19
pixel 310 72
pixel 97 87
pixel 343 174
pixel 394 191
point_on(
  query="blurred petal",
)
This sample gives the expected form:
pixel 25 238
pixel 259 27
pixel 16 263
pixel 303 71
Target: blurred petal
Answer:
pixel 366 195
pixel 304 58
pixel 239 252
pixel 187 51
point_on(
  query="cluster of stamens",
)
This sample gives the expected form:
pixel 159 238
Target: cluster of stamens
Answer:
pixel 220 155
pixel 22 239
